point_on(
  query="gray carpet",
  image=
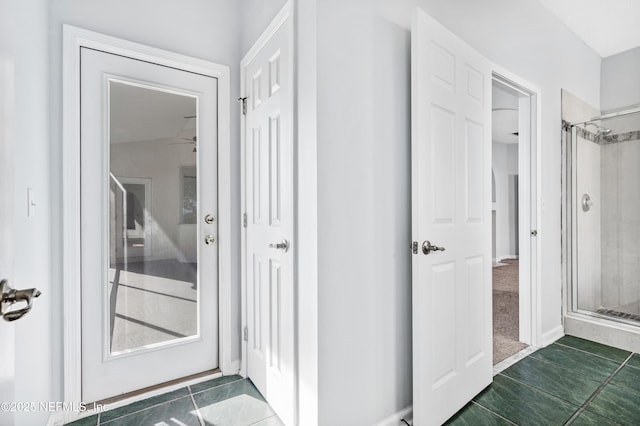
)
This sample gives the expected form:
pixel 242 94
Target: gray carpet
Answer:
pixel 505 311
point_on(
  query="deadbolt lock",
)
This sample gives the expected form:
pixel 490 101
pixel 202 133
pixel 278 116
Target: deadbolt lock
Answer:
pixel 209 219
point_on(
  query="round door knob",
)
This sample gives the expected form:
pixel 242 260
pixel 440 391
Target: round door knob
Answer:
pixel 208 240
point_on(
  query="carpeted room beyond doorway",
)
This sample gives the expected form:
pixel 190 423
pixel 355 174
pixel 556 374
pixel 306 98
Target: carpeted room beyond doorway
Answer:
pixel 505 311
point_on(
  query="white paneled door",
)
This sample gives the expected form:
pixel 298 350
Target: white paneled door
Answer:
pixel 7 205
pixel 149 249
pixel 451 222
pixel 269 249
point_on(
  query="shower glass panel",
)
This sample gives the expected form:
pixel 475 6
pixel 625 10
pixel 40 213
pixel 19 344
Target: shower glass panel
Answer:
pixel 604 196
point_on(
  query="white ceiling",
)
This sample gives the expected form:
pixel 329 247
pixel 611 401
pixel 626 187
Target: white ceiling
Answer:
pixel 607 26
pixel 141 114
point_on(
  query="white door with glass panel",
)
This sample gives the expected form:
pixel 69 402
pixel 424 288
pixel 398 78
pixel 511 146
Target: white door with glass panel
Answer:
pixel 451 222
pixel 149 229
pixel 269 251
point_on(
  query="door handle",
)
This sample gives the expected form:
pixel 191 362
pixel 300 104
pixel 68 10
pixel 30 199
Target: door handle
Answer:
pixel 9 296
pixel 209 240
pixel 284 246
pixel 427 247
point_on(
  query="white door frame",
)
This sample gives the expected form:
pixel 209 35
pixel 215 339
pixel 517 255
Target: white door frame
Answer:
pixel 74 39
pixel 530 313
pixel 147 204
pixel 285 13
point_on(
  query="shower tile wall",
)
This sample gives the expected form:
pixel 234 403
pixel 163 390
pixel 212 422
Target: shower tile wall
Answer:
pixel 589 269
pixel 620 171
pixel 589 223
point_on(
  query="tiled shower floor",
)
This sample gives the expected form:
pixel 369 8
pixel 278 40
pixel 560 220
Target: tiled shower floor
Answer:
pixel 225 401
pixel 572 381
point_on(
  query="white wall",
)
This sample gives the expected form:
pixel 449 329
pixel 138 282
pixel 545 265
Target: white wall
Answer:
pixel 620 86
pixel 23 43
pixel 363 109
pixel 505 168
pixel 255 17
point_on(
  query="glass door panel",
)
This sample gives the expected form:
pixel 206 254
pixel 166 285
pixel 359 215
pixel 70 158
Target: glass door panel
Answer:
pixel 153 270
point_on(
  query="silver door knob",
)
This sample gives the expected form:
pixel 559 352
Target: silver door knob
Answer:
pixel 209 219
pixel 284 246
pixel 427 247
pixel 9 296
pixel 208 240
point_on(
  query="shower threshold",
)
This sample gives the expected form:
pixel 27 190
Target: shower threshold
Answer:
pixel 617 314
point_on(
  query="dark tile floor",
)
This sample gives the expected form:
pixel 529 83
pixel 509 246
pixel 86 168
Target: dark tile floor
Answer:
pixel 572 381
pixel 226 401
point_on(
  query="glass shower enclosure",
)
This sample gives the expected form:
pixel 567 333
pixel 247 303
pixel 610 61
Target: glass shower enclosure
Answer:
pixel 602 218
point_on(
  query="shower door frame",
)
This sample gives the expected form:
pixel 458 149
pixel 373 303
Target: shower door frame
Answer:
pixel 579 322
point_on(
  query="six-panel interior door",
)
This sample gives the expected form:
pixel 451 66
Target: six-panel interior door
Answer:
pixel 149 280
pixel 451 194
pixel 269 203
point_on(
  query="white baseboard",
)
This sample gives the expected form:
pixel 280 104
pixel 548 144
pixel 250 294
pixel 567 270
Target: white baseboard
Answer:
pixel 507 256
pixel 58 418
pixel 235 367
pixel 551 336
pixel 395 418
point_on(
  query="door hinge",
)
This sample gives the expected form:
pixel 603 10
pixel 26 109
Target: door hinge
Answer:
pixel 244 105
pixel 244 220
pixel 414 247
pixel 245 334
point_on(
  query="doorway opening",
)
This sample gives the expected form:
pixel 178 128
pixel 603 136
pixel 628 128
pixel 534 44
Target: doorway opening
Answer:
pixel 513 216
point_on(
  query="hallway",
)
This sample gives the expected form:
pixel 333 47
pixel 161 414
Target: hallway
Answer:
pixel 506 325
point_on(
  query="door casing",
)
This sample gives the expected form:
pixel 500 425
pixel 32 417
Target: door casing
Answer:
pixel 529 206
pixel 74 39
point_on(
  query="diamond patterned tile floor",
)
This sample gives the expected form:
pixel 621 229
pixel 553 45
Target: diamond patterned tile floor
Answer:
pixel 570 382
pixel 225 401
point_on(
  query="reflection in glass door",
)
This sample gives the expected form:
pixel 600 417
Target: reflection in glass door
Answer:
pixel 153 271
